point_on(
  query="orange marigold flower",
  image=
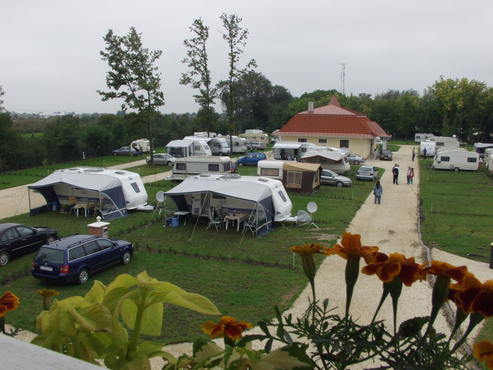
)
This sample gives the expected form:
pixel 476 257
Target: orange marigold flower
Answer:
pixel 10 301
pixel 3 310
pixel 445 269
pixel 226 327
pixel 483 302
pixel 483 352
pixel 396 264
pixel 307 249
pixel 351 246
pixel 48 293
pixel 463 294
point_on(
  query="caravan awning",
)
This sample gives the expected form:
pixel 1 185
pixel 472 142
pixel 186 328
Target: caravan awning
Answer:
pixel 329 155
pixel 93 181
pixel 179 143
pixel 228 187
pixel 287 145
pixel 299 166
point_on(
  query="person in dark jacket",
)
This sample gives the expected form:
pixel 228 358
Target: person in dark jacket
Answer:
pixel 377 192
pixel 395 174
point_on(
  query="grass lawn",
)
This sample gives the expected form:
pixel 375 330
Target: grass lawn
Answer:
pixel 244 276
pixel 458 213
pixel 403 142
pixel 29 175
pixel 393 147
pixel 145 170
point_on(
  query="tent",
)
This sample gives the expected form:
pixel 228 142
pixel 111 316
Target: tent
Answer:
pixel 302 177
pixel 111 192
pixel 335 161
pixel 263 200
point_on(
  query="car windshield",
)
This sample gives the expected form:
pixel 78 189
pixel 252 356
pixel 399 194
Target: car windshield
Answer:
pixel 49 255
pixel 366 169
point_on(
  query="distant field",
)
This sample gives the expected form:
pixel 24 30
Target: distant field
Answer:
pixel 29 175
pixel 32 134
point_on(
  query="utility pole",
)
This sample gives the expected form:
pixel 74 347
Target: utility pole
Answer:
pixel 343 78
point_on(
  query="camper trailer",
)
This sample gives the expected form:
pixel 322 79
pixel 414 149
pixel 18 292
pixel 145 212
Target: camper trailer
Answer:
pixel 290 150
pixel 427 148
pixel 218 146
pixel 456 159
pixel 188 148
pixel 332 160
pixel 422 137
pixel 204 134
pixel 257 202
pixel 237 144
pixel 297 176
pixel 184 167
pixel 480 148
pixel 255 139
pixel 141 146
pixel 445 142
pixel 109 192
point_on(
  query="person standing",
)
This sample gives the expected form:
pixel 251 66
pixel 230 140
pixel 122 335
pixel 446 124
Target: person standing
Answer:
pixel 377 192
pixel 395 174
pixel 414 154
pixel 408 175
pixel 424 153
pixel 411 178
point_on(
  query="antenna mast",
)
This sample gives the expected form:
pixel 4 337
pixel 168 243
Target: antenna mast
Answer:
pixel 343 78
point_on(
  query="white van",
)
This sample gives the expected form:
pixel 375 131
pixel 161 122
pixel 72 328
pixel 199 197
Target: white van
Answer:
pixel 141 146
pixel 187 166
pixel 188 148
pixel 457 160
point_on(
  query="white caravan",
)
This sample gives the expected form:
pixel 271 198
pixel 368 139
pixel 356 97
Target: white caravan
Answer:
pixel 188 148
pixel 204 134
pixel 480 148
pixel 218 145
pixel 255 139
pixel 456 159
pixel 422 137
pixel 141 145
pixel 427 148
pixel 187 166
pixel 239 145
pixel 445 142
pixel 272 169
pixel 290 150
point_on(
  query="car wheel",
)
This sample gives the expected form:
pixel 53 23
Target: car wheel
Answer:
pixel 4 258
pixel 127 256
pixel 168 163
pixel 456 169
pixel 339 184
pixel 50 238
pixel 83 276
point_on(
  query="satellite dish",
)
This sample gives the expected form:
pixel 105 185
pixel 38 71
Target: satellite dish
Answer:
pixel 303 218
pixel 160 196
pixel 312 207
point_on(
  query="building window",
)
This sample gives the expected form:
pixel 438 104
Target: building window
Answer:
pixel 294 178
pixel 322 141
pixel 301 140
pixel 471 159
pixel 344 144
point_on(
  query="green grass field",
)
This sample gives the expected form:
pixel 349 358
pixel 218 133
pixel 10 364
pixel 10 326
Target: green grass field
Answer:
pixel 145 170
pixel 457 211
pixel 243 275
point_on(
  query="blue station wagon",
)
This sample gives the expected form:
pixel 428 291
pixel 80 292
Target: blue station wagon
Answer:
pixel 77 257
pixel 251 159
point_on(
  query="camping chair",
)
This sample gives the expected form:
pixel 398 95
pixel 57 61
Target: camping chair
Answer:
pixel 214 220
pixel 250 225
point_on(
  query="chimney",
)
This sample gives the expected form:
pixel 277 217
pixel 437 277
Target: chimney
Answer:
pixel 310 107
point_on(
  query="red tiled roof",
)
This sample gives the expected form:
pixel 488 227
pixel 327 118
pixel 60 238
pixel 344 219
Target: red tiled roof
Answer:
pixel 332 120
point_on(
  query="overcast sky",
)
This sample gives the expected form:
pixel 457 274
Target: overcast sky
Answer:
pixel 49 50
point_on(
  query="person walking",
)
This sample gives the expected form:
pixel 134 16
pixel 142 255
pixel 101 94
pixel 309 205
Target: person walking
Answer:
pixel 414 154
pixel 411 177
pixel 377 192
pixel 395 174
pixel 424 153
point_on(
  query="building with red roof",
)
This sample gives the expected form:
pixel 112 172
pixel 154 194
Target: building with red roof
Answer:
pixel 334 126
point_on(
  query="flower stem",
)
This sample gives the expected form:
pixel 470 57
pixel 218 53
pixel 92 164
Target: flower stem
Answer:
pixel 351 274
pixel 474 320
pixel 385 293
pixel 132 346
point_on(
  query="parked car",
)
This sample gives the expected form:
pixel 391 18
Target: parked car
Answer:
pixel 367 173
pixel 75 258
pixel 163 159
pixel 385 155
pixel 329 177
pixel 124 150
pixel 353 158
pixel 251 159
pixel 16 239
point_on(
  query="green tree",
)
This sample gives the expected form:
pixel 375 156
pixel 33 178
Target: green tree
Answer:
pixel 199 75
pixel 235 37
pixel 2 93
pixel 63 140
pixel 133 76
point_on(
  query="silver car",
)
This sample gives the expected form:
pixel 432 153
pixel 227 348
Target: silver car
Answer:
pixel 367 173
pixel 329 177
pixel 162 159
pixel 353 158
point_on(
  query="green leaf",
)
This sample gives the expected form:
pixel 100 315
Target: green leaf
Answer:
pixel 208 351
pixel 152 319
pixel 279 359
pixel 93 318
pixel 96 293
pixel 151 349
pixel 122 281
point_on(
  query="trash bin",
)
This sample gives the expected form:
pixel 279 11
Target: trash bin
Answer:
pixel 175 221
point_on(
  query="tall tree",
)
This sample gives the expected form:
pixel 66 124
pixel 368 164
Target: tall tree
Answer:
pixel 199 75
pixel 133 76
pixel 235 37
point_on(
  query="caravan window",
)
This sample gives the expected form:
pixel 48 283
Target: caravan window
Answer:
pixel 445 159
pixel 439 143
pixel 181 166
pixel 283 197
pixel 269 172
pixel 197 148
pixel 471 159
pixel 213 167
pixel 135 187
pixel 294 178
